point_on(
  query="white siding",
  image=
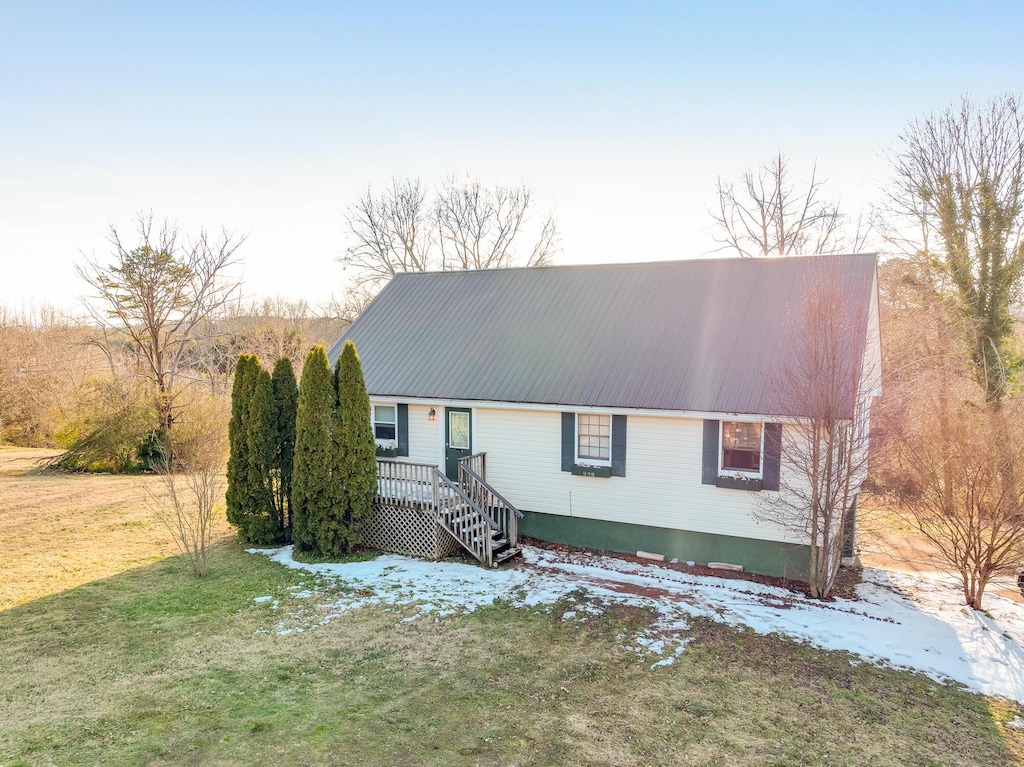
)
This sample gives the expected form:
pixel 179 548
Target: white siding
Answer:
pixel 424 445
pixel 872 371
pixel 424 442
pixel 662 486
pixel 870 385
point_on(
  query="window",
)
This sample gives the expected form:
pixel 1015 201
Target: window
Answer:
pixel 741 448
pixel 385 424
pixel 458 430
pixel 594 445
pixel 594 439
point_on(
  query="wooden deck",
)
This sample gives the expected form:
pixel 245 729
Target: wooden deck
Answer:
pixel 419 511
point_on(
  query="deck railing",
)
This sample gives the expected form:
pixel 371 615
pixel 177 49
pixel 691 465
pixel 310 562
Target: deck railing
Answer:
pixel 408 485
pixel 476 463
pixel 505 515
pixel 422 488
pixel 471 510
pixel 467 521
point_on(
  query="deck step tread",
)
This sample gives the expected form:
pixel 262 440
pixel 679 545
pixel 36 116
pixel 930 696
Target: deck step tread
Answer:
pixel 506 555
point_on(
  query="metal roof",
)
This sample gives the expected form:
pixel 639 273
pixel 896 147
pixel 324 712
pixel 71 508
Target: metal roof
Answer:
pixel 697 335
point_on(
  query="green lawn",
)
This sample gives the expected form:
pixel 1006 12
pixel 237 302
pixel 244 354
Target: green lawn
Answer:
pixel 152 666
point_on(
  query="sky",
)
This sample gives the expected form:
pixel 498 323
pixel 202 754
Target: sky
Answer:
pixel 270 119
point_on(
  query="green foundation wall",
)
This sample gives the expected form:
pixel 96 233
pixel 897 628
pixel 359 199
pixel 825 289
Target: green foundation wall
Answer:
pixel 784 560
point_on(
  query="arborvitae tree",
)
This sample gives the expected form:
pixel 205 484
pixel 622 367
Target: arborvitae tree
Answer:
pixel 241 393
pixel 286 394
pixel 252 434
pixel 315 527
pixel 259 522
pixel 355 459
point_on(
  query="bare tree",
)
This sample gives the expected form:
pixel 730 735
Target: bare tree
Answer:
pixel 770 215
pixel 350 305
pixel 477 227
pixel 464 226
pixel 952 462
pixel 23 375
pixel 824 385
pixel 956 204
pixel 268 327
pixel 963 482
pixel 192 474
pixel 390 233
pixel 46 360
pixel 158 293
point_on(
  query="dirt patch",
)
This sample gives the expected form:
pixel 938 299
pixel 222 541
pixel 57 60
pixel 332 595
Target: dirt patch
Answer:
pixel 636 589
pixel 845 584
pixel 1011 594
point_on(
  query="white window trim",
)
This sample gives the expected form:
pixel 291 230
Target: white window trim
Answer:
pixel 374 422
pixel 469 427
pixel 723 472
pixel 576 441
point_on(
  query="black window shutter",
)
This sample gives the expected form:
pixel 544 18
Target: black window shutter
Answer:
pixel 771 466
pixel 618 445
pixel 403 429
pixel 568 441
pixel 709 473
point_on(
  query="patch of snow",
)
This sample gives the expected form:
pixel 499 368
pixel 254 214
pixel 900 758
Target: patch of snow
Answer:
pixel 903 620
pixel 260 600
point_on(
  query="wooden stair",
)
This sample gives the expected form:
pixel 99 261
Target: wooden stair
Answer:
pixel 478 533
pixel 479 518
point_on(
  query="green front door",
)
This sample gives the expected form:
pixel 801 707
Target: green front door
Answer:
pixel 458 440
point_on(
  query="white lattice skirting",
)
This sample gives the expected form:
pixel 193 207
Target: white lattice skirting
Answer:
pixel 414 532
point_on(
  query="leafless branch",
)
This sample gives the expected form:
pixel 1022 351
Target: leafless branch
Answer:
pixel 464 226
pixel 192 474
pixel 771 216
pixel 824 383
pixel 390 233
pixel 952 463
pixel 956 205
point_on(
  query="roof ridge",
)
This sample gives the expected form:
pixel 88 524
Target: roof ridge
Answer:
pixel 653 262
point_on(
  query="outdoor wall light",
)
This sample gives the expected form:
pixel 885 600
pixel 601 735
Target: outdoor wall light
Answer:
pixel 432 415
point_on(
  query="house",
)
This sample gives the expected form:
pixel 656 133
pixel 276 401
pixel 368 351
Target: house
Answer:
pixel 621 407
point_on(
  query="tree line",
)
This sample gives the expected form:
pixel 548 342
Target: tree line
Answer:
pixel 68 383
